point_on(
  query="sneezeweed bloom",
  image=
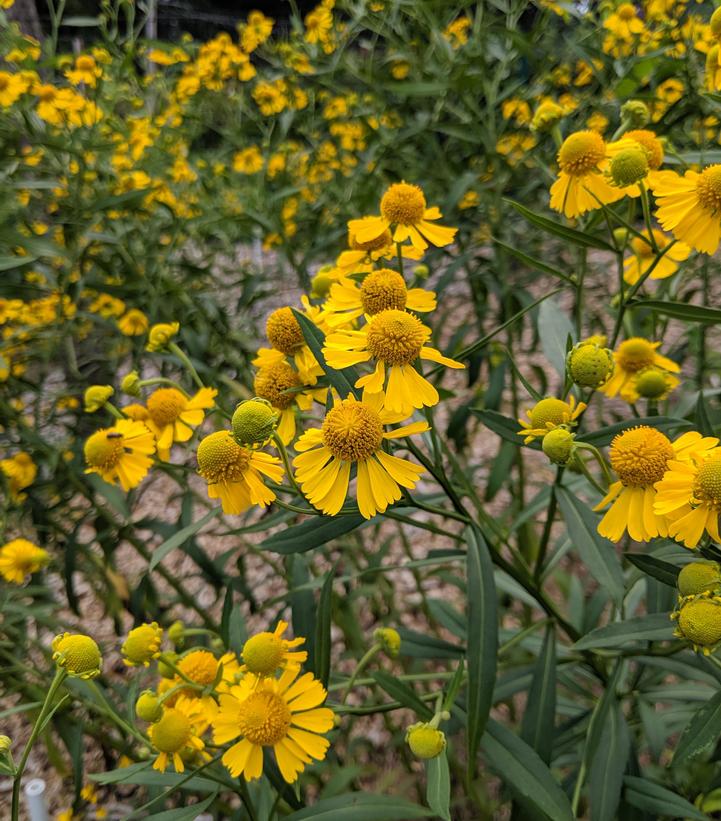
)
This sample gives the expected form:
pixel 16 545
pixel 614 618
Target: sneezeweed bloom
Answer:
pixel 631 356
pixel 689 495
pixel 352 434
pixel 360 256
pixel 160 335
pixel 689 206
pixel 235 474
pixel 20 558
pixel 404 206
pixel 589 364
pixel 284 713
pixel 280 384
pixel 253 422
pixel 77 654
pixel 265 653
pixel 698 577
pixel 142 645
pixel 546 116
pixel 395 341
pixel 172 415
pixel 133 323
pixel 96 396
pixel 286 338
pixel 650 383
pixel 640 457
pixel 547 415
pixel 121 453
pixel 177 734
pixel 698 620
pixel 643 258
pixel 20 471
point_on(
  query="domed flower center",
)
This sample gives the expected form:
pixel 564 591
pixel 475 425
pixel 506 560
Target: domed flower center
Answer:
pixel 264 718
pixel 172 732
pixel 708 188
pixel 382 290
pixel 549 411
pixel 651 383
pixel 200 666
pixel 707 487
pixel 165 405
pixel 104 449
pixel 650 144
pixel 635 354
pixel 283 331
pixel 263 653
pixel 626 11
pixel 581 153
pixel 221 459
pixel 629 166
pixel 403 204
pixel 700 621
pixel 85 63
pixel 273 383
pixel 370 245
pixel 352 431
pixel 396 337
pixel 640 455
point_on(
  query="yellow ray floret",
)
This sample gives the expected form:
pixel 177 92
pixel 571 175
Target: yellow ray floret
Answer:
pixel 172 415
pixel 631 356
pixel 121 453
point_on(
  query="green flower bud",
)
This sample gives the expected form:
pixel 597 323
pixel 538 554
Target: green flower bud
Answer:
pixel 589 365
pixel 389 640
pixel 652 383
pixel 131 384
pixel 629 167
pixel 253 422
pixel 425 740
pixel 558 445
pixel 322 282
pixel 422 271
pixel 635 113
pixel 698 577
pixel 176 632
pixel 148 707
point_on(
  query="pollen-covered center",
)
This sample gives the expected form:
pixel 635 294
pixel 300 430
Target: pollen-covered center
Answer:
pixel 652 383
pixel 708 188
pixel 707 487
pixel 549 411
pixel 104 449
pixel 263 653
pixel 221 458
pixel 581 152
pixel 200 666
pixel 374 244
pixel 165 405
pixel 382 290
pixel 264 718
pixel 640 456
pixel 700 621
pixel 635 354
pixel 396 337
pixel 403 204
pixel 283 331
pixel 172 732
pixel 352 431
pixel 273 382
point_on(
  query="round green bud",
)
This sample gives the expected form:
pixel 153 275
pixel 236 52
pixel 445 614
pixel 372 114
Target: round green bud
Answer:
pixel 253 422
pixel 425 740
pixel 176 632
pixel 149 707
pixel 698 577
pixel 5 744
pixel 321 282
pixel 131 384
pixel 629 167
pixel 78 654
pixel 422 271
pixel 652 383
pixel 589 365
pixel 635 113
pixel 165 670
pixel 699 621
pixel 389 640
pixel 558 445
pixel 715 23
pixel 620 236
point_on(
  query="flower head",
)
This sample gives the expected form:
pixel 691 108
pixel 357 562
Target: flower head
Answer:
pixel 19 559
pixel 425 740
pixel 698 577
pixel 20 471
pixel 142 644
pixel 265 653
pixel 177 734
pixel 589 364
pixel 254 421
pixel 161 334
pixel 548 414
pixel 632 356
pixel 149 707
pixel 172 415
pixel 121 453
pixel 699 621
pixel 689 206
pixel 77 654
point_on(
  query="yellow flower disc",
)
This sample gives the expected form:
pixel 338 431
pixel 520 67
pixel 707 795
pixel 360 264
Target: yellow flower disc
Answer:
pixel 78 654
pixel 104 449
pixel 383 289
pixel 352 431
pixel 264 718
pixel 548 411
pixel 640 455
pixel 698 577
pixel 396 337
pixel 283 331
pixel 273 381
pixel 629 166
pixel 651 383
pixel 425 741
pixel 165 405
pixel 263 653
pixel 581 152
pixel 142 644
pixel 557 444
pixel 635 354
pixel 375 244
pixel 700 621
pixel 148 706
pixel 708 188
pixel 707 486
pixel 200 666
pixel 403 204
pixel 172 732
pixel 589 366
pixel 221 458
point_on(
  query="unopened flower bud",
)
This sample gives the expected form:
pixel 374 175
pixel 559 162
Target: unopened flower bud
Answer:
pixel 253 421
pixel 629 167
pixel 635 113
pixel 558 445
pixel 321 282
pixel 699 621
pixel 389 640
pixel 176 632
pixel 131 384
pixel 546 116
pixel 78 655
pixel 148 706
pixel 161 334
pixel 5 744
pixel 698 577
pixel 589 365
pixel 421 271
pixel 652 383
pixel 96 396
pixel 425 740
pixel 620 236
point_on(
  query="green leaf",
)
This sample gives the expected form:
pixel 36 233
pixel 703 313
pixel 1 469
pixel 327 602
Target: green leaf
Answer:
pixel 144 775
pixel 403 692
pixel 654 627
pixel 580 238
pixel 607 764
pixel 419 645
pixel 597 553
pixel 79 21
pixel 703 423
pixel 482 630
pixel 603 436
pixel 180 538
pixel 528 778
pixel 657 800
pixel 114 496
pixel 183 813
pixel 701 733
pixel 554 329
pixel 314 339
pixel 658 569
pixel 361 807
pixel 537 728
pixel 533 263
pixel 438 786
pixel 681 310
pixel 321 644
pixel 312 533
pixel 9 263
pixel 504 426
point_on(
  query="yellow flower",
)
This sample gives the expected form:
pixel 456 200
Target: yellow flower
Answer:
pixel 689 495
pixel 172 416
pixel 389 640
pixel 233 473
pixel 282 713
pixel 631 356
pixel 547 115
pixel 404 206
pixel 142 644
pixel 78 655
pixel 640 456
pixel 20 558
pixel 650 383
pixel 248 161
pixel 547 415
pixel 425 740
pixel 279 384
pixel 160 335
pixel 265 653
pixel 698 577
pixel 20 471
pixel 286 337
pixel 96 396
pixel 395 341
pixel 86 71
pixel 133 323
pixel 699 621
pixel 121 453
pixel 643 257
pixel 352 434
pixel 690 206
pixel 177 734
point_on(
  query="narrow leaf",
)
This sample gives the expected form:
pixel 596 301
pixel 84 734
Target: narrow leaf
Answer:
pixel 402 692
pixel 537 728
pixel 659 801
pixel 580 238
pixel 179 538
pixel 607 764
pixel 361 807
pixel 312 533
pixel 654 627
pixel 438 786
pixel 701 733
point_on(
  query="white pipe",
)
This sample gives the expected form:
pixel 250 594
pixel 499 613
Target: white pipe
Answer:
pixel 35 800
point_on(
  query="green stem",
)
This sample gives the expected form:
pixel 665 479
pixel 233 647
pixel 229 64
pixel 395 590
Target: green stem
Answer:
pixel 372 651
pixel 183 357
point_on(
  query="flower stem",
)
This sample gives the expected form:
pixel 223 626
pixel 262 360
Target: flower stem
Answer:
pixel 362 664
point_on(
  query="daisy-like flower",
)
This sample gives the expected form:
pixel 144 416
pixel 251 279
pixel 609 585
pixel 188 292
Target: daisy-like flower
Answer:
pixel 202 668
pixel 172 415
pixel 235 474
pixel 265 653
pixel 177 734
pixel 286 338
pixel 652 146
pixel 404 206
pixel 352 434
pixel 20 558
pixel 689 206
pixel 631 356
pixel 20 471
pixel 698 620
pixel 650 383
pixel 547 415
pixel 380 290
pixel 396 341
pixel 121 453
pixel 360 256
pixel 142 644
pixel 284 713
pixel 643 257
pixel 281 385
pixel 640 456
pixel 689 495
